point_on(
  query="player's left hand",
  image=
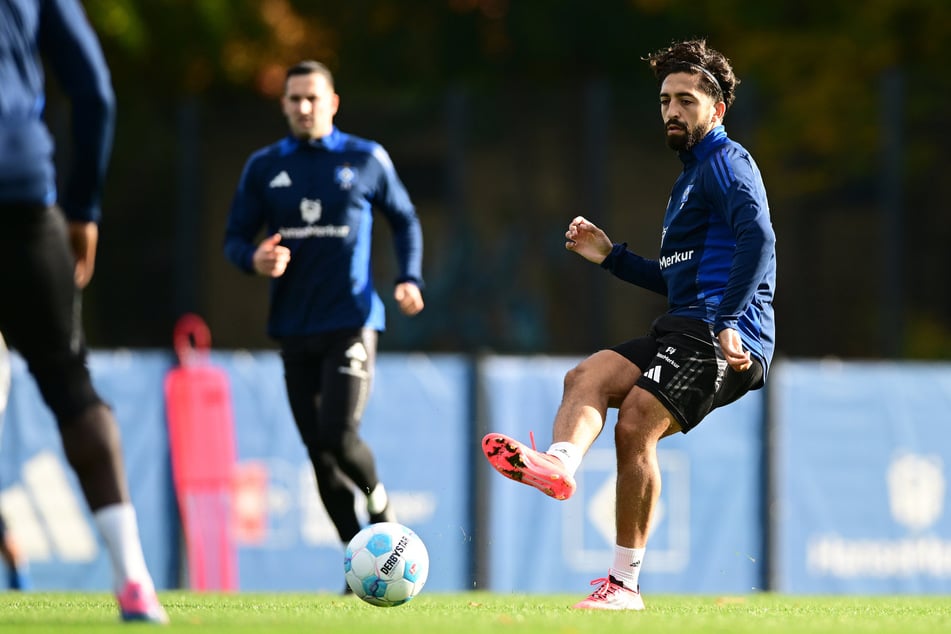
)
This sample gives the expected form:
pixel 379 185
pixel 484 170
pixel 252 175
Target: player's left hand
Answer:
pixel 587 240
pixel 409 298
pixel 83 238
pixel 733 352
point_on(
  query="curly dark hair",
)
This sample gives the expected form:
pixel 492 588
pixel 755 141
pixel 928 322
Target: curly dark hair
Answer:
pixel 694 56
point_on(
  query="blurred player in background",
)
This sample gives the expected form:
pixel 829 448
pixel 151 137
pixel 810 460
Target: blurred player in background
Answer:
pixel 47 252
pixel 717 267
pixel 18 569
pixel 313 193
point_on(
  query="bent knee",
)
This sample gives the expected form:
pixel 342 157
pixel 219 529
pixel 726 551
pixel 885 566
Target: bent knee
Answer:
pixel 642 418
pixel 642 404
pixel 578 376
pixel 606 372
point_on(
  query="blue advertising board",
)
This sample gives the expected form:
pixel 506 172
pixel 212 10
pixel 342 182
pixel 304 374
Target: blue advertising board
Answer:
pixel 707 534
pixel 862 499
pixel 417 423
pixel 859 502
pixel 41 497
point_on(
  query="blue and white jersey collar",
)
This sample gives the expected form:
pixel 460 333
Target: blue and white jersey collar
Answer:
pixel 330 142
pixel 714 139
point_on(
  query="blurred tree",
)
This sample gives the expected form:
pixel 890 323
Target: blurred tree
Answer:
pixel 818 59
pixel 810 108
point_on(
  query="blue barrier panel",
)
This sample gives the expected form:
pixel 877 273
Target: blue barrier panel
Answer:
pixel 40 494
pixel 707 534
pixel 862 491
pixel 418 424
pixel 418 421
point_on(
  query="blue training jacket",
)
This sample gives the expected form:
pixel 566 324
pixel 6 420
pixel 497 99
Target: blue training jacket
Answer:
pixel 58 30
pixel 717 257
pixel 320 195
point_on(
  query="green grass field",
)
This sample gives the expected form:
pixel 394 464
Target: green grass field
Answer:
pixel 65 613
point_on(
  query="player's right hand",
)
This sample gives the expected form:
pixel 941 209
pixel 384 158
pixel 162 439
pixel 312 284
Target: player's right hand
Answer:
pixel 409 298
pixel 587 240
pixel 83 238
pixel 270 258
pixel 732 346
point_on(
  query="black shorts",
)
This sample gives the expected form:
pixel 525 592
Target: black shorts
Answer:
pixel 328 378
pixel 682 365
pixel 40 306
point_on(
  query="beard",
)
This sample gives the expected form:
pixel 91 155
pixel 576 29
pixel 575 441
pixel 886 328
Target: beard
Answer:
pixel 685 142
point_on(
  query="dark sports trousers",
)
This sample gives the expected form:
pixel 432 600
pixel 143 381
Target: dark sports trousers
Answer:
pixel 328 378
pixel 682 365
pixel 40 307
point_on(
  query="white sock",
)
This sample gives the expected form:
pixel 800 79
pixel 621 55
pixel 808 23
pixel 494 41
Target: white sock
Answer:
pixel 119 530
pixel 377 499
pixel 627 565
pixel 568 453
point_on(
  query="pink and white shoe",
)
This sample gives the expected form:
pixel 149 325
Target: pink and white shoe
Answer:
pixel 138 603
pixel 611 595
pixel 523 464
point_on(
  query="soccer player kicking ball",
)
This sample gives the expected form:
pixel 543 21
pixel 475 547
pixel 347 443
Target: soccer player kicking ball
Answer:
pixel 717 267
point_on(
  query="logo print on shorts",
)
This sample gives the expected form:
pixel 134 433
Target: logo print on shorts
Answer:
pixel 357 354
pixel 654 374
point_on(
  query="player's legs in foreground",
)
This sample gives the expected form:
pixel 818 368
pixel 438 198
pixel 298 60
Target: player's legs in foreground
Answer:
pixel 642 422
pixel 91 444
pixel 44 326
pixel 600 381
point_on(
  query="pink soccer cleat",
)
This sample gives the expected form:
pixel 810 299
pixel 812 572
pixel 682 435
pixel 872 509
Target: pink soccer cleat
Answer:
pixel 523 464
pixel 136 603
pixel 611 595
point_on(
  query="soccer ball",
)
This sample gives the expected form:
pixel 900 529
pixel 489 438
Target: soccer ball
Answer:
pixel 386 564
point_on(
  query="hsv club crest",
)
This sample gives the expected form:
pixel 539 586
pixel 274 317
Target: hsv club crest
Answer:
pixel 310 210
